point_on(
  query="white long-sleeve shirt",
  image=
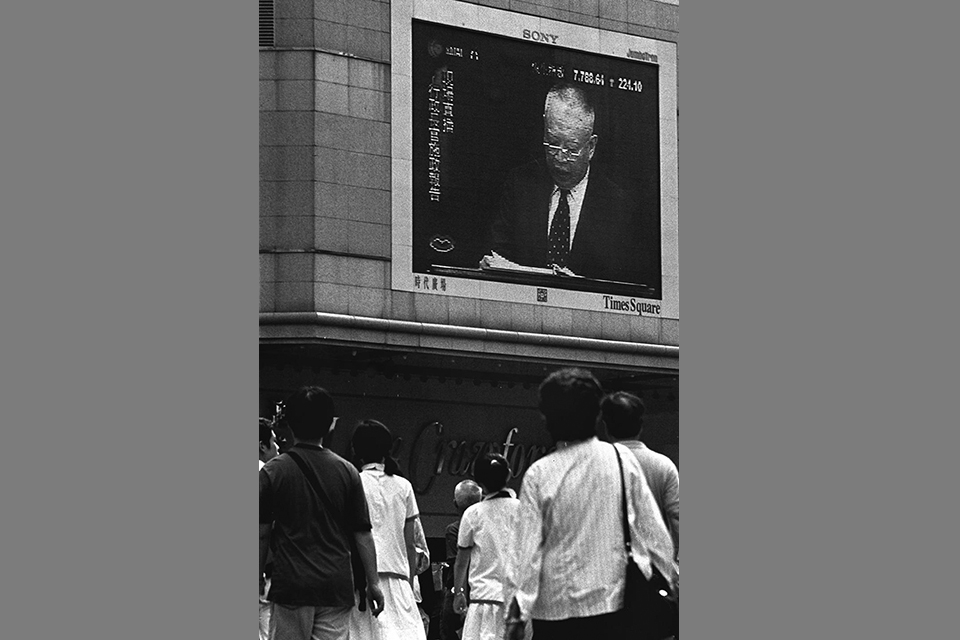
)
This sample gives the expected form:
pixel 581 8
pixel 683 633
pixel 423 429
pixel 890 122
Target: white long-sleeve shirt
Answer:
pixel 569 559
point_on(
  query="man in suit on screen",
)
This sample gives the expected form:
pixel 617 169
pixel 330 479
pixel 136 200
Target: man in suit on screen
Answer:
pixel 559 212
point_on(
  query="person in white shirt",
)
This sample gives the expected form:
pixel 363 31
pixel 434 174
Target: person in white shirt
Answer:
pixel 569 562
pixel 486 533
pixel 394 515
pixel 466 494
pixel 268 451
pixel 623 415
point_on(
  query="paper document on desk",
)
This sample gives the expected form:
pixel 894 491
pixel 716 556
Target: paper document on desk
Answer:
pixel 495 262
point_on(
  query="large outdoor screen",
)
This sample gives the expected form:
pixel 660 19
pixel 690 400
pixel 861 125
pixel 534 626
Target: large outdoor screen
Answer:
pixel 489 174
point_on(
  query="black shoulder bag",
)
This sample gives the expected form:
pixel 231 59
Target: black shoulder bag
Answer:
pixel 651 610
pixel 359 577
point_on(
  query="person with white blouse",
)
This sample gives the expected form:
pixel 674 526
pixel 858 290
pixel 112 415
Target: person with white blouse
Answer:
pixel 483 554
pixel 394 516
pixel 569 562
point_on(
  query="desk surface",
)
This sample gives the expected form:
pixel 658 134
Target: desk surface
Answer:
pixel 554 281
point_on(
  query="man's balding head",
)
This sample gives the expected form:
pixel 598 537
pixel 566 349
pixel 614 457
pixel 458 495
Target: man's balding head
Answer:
pixel 568 137
pixel 465 494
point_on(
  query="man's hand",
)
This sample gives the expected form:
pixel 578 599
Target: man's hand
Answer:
pixel 375 598
pixel 497 261
pixel 562 271
pixel 460 603
pixel 423 561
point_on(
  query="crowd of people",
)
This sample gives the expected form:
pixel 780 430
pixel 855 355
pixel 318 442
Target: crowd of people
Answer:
pixel 341 544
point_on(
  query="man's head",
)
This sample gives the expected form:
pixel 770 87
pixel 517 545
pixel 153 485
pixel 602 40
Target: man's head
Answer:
pixel 623 415
pixel 570 404
pixel 465 494
pixel 309 413
pixel 568 138
pixel 268 441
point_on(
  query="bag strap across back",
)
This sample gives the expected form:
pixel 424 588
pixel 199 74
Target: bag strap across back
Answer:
pixel 623 501
pixel 312 480
pixel 359 577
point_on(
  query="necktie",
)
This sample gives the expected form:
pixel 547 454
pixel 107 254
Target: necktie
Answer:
pixel 558 242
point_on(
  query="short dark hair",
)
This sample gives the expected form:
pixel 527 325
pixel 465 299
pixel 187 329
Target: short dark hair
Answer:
pixel 623 414
pixel 309 412
pixel 570 403
pixel 492 471
pixel 372 442
pixel 266 431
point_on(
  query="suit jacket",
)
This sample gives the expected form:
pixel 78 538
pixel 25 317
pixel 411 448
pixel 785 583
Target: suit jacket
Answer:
pixel 607 244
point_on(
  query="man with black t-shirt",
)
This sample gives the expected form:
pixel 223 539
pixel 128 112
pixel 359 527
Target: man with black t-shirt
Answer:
pixel 312 506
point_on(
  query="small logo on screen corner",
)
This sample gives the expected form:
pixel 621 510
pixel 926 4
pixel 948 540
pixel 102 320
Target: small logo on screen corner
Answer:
pixel 641 55
pixel 435 49
pixel 442 244
pixel 541 295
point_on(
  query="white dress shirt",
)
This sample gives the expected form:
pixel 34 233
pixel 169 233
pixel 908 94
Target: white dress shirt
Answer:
pixel 664 482
pixel 568 558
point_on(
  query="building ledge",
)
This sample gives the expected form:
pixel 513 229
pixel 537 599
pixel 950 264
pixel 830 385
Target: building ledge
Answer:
pixel 405 333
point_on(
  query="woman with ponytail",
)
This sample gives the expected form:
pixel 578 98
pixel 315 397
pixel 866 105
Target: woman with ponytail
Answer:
pixel 395 517
pixel 483 551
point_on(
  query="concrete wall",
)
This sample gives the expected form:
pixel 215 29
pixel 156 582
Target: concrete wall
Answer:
pixel 325 169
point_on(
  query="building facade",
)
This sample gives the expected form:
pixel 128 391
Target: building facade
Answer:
pixel 386 130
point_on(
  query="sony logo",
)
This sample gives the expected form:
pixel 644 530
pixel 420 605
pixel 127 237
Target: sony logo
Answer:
pixel 539 36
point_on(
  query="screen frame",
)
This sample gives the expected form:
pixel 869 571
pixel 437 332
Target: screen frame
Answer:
pixel 523 27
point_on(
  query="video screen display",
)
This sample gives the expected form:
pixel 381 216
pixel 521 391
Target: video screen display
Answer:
pixel 534 164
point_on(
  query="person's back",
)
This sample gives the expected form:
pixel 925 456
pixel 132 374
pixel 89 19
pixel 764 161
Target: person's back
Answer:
pixel 484 556
pixel 311 564
pixel 309 515
pixel 569 565
pixel 664 482
pixel 489 526
pixel 391 502
pixel 394 514
pixel 465 494
pixel 623 415
pixel 573 496
pixel 268 451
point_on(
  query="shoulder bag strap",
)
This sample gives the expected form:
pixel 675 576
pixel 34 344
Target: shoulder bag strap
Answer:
pixel 623 501
pixel 312 480
pixel 359 577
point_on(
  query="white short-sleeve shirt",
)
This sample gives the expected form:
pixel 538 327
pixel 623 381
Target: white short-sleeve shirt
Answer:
pixel 391 503
pixel 487 528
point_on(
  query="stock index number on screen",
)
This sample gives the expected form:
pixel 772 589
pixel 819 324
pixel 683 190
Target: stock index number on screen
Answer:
pixel 600 79
pixel 588 77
